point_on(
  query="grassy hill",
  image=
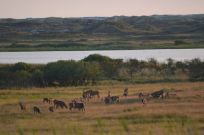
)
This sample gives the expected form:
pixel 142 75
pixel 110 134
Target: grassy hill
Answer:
pixel 102 33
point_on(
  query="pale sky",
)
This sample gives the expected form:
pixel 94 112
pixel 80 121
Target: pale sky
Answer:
pixel 87 8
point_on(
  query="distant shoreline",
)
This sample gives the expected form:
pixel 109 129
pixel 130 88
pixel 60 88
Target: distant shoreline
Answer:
pixel 93 49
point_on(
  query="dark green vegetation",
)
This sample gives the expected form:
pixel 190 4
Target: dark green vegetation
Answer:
pixel 97 69
pixel 102 33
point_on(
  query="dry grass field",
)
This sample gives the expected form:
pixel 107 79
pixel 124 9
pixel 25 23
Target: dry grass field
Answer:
pixel 180 114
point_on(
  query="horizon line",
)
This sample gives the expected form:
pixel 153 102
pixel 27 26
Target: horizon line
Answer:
pixel 104 16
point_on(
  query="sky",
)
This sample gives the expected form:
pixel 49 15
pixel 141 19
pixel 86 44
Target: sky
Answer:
pixel 88 8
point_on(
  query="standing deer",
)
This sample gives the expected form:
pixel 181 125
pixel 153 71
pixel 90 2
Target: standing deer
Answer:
pixel 36 109
pixel 22 106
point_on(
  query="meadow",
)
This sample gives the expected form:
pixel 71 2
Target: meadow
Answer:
pixel 80 42
pixel 180 114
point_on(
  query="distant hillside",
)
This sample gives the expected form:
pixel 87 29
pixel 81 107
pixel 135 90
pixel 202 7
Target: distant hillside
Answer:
pixel 75 30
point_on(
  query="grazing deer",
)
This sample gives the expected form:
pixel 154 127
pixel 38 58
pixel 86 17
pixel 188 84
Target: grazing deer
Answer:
pixel 90 93
pixel 58 103
pixel 125 92
pixel 36 109
pixel 144 101
pixel 51 109
pixel 111 99
pixel 47 100
pixel 161 93
pixel 77 105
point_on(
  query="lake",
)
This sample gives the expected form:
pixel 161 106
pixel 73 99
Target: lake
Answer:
pixel 51 56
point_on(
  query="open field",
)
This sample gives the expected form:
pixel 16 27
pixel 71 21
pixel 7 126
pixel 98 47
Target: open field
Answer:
pixel 102 42
pixel 181 114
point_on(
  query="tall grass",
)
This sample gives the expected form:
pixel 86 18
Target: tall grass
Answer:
pixel 20 131
pixel 34 131
pixel 124 124
pixel 100 126
pixel 168 116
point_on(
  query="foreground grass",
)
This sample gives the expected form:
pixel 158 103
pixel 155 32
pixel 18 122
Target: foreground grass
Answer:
pixel 182 114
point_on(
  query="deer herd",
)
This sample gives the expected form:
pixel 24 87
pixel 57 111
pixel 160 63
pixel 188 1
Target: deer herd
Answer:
pixel 79 103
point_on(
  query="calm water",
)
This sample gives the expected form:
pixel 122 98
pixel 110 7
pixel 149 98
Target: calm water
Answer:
pixel 50 56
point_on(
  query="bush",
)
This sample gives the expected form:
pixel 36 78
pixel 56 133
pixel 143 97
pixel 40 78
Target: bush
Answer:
pixel 179 42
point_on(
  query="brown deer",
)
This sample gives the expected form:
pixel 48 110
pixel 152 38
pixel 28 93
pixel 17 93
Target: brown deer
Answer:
pixel 36 109
pixel 22 106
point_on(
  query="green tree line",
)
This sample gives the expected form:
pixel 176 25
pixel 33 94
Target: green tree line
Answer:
pixel 96 68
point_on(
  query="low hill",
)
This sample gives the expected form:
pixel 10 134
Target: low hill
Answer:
pixel 101 32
